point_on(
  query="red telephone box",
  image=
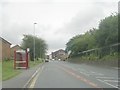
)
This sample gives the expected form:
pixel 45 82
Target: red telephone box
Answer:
pixel 21 59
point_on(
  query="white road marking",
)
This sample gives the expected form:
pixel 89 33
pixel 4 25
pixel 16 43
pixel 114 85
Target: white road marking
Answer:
pixel 98 74
pixel 107 77
pixel 84 73
pixel 32 77
pixel 111 81
pixel 116 68
pixel 35 78
pixel 93 72
pixel 80 77
pixel 81 69
pixel 88 73
pixel 107 83
pixel 99 77
pixel 34 81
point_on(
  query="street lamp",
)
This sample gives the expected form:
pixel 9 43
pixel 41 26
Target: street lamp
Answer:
pixel 34 41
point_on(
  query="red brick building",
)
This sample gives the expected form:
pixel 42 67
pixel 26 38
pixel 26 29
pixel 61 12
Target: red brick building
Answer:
pixel 4 49
pixel 14 48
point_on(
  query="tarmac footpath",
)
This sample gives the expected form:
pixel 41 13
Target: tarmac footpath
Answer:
pixel 21 80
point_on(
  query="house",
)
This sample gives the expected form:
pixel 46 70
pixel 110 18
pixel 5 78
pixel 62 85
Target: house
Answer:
pixel 50 56
pixel 4 49
pixel 46 56
pixel 14 48
pixel 59 54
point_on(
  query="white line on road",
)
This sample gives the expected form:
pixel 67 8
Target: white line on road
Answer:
pixel 88 73
pixel 98 74
pixel 81 69
pixel 111 81
pixel 25 86
pixel 107 77
pixel 79 77
pixel 84 73
pixel 92 74
pixel 116 68
pixel 35 78
pixel 107 83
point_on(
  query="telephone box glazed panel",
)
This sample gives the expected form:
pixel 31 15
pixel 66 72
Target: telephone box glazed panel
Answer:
pixel 21 59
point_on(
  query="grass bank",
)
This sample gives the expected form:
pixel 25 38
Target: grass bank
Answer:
pixel 108 60
pixel 0 71
pixel 9 72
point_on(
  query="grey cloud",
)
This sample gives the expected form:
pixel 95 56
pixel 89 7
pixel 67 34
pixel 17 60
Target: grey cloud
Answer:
pixel 84 20
pixel 14 32
pixel 88 19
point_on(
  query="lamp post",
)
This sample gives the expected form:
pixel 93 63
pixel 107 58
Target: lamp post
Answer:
pixel 34 41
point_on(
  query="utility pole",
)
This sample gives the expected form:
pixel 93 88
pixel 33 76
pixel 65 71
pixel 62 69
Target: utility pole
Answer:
pixel 34 41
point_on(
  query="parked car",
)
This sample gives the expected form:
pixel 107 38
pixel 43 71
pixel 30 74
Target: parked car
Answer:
pixel 53 59
pixel 46 60
pixel 63 59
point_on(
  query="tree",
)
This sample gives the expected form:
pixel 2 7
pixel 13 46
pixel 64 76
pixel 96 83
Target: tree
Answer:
pixel 105 35
pixel 108 31
pixel 40 46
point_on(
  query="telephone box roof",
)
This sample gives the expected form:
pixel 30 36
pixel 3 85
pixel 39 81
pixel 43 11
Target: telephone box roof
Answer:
pixel 21 51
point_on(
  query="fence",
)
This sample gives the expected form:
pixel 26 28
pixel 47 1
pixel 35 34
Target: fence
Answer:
pixel 101 52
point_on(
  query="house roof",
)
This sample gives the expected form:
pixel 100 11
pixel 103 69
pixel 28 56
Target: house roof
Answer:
pixel 59 50
pixel 16 46
pixel 2 39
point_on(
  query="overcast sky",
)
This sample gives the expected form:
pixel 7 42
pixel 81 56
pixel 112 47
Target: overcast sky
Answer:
pixel 57 20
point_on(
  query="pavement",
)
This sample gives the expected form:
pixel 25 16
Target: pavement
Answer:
pixel 20 80
pixel 61 74
pixel 0 84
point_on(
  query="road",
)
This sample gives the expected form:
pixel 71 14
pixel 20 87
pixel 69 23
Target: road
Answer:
pixel 60 74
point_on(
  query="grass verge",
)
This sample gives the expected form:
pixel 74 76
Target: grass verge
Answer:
pixel 9 72
pixel 34 63
pixel 0 71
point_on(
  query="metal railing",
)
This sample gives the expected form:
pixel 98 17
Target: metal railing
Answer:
pixel 100 52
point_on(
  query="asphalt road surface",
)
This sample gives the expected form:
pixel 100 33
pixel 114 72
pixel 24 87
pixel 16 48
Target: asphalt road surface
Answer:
pixel 60 74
